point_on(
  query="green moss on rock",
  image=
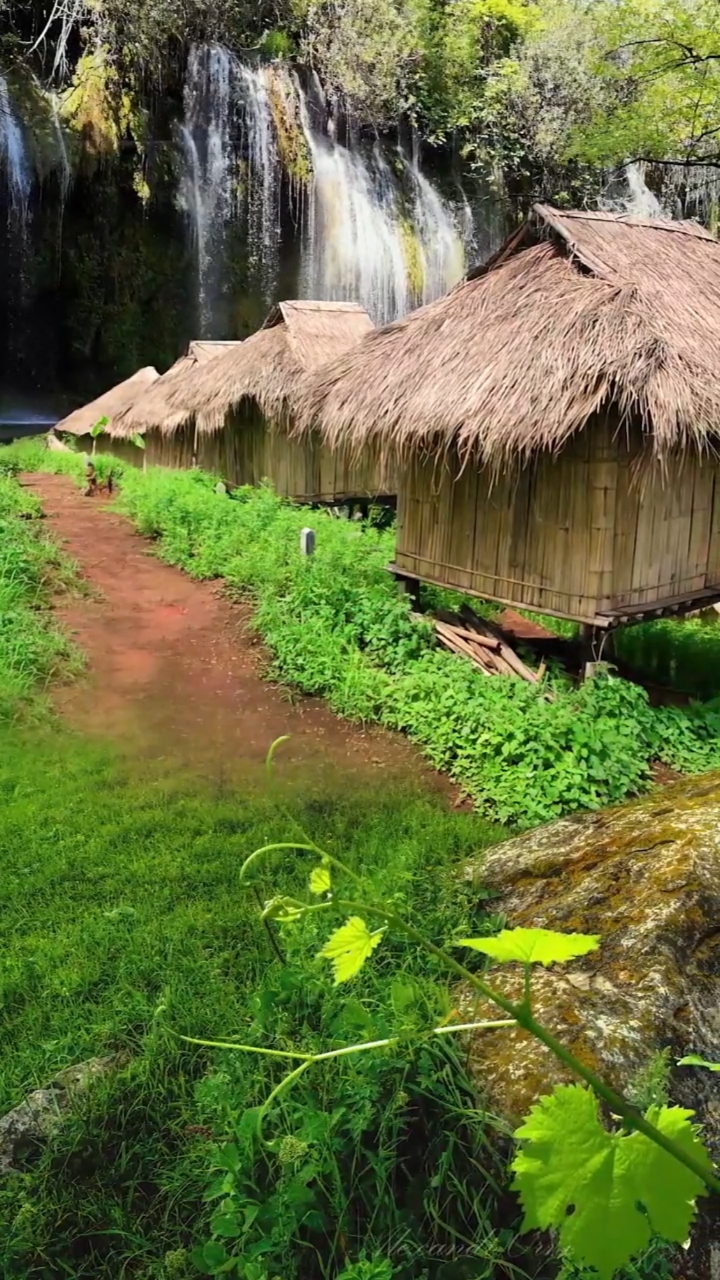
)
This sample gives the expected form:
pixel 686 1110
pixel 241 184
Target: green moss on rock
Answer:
pixel 293 148
pixel 645 877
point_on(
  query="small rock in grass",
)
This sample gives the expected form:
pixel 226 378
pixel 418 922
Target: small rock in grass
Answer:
pixel 42 1111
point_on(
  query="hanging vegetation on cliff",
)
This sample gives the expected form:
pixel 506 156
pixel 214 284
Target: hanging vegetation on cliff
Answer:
pixel 554 90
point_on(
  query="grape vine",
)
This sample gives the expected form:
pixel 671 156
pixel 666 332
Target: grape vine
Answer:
pixel 606 1189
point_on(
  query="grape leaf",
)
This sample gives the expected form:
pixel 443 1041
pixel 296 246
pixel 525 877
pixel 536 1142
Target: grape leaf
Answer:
pixel 284 910
pixel 320 881
pixel 694 1060
pixel 606 1193
pixel 349 947
pixel 534 946
pixel 665 1187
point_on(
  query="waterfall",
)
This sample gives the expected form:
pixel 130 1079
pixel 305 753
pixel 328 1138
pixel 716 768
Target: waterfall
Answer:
pixel 443 247
pixel 353 246
pixel 16 177
pixel 374 229
pixel 388 241
pixel 13 156
pixel 263 178
pixel 230 175
pixel 683 191
pixel 63 158
pixel 641 202
pixel 207 184
pixel 628 193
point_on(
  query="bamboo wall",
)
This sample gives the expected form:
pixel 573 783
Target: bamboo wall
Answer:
pixel 248 451
pixel 175 450
pixel 596 530
pixel 125 450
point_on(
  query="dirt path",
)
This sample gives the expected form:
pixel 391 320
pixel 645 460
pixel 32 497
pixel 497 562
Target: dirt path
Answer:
pixel 175 675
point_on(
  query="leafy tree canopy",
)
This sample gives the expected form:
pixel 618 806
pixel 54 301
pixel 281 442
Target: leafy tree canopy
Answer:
pixel 553 92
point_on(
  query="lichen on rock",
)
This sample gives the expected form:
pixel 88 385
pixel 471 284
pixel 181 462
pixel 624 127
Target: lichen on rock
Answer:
pixel 414 260
pixel 646 877
pixel 99 108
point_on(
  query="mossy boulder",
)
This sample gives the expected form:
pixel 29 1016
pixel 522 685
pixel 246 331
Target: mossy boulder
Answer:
pixel 646 877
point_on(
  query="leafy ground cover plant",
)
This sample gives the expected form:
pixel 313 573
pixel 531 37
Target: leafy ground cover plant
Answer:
pixel 681 654
pixel 32 648
pixel 119 893
pixel 606 1189
pixel 336 626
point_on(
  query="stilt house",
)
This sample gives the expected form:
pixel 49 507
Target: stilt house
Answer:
pixel 158 415
pixel 557 420
pixel 239 408
pixel 109 405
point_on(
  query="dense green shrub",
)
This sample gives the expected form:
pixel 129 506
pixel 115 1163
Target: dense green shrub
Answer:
pixel 336 626
pixel 32 649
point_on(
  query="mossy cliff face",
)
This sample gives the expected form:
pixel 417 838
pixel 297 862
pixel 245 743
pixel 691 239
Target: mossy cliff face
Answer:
pixel 96 278
pixel 646 878
pixel 108 284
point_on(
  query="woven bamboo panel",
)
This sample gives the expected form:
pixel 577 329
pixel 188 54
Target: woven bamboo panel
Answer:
pixel 596 529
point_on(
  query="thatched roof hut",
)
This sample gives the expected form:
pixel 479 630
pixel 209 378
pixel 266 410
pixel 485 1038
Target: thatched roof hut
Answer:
pixel 541 409
pixel 238 406
pixel 159 416
pixel 296 337
pixel 109 405
pixel 163 404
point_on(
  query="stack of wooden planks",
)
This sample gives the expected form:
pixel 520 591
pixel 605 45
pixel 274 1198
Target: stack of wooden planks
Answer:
pixel 484 643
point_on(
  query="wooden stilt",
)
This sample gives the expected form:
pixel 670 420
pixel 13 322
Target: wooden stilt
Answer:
pixel 409 587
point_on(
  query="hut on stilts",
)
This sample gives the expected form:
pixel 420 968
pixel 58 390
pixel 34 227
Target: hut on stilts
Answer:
pixel 158 416
pixel 239 408
pixel 556 417
pixel 110 405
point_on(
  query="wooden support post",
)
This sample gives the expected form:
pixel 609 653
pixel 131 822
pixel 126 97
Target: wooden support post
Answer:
pixel 307 542
pixel 409 587
pixel 587 650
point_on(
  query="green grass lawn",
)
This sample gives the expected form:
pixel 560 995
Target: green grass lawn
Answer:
pixel 119 893
pixel 124 927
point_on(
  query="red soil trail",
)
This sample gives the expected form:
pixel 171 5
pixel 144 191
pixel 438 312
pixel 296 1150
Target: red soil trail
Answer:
pixel 174 673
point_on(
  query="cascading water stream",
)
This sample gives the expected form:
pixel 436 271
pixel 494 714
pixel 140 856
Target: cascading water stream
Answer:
pixel 442 246
pixel 65 172
pixel 13 157
pixel 263 178
pixel 371 237
pixel 231 173
pixel 374 229
pixel 207 180
pixel 352 250
pixel 16 178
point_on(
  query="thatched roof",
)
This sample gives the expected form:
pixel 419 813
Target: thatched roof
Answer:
pixel 268 367
pixel 575 311
pixel 109 405
pixel 162 405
